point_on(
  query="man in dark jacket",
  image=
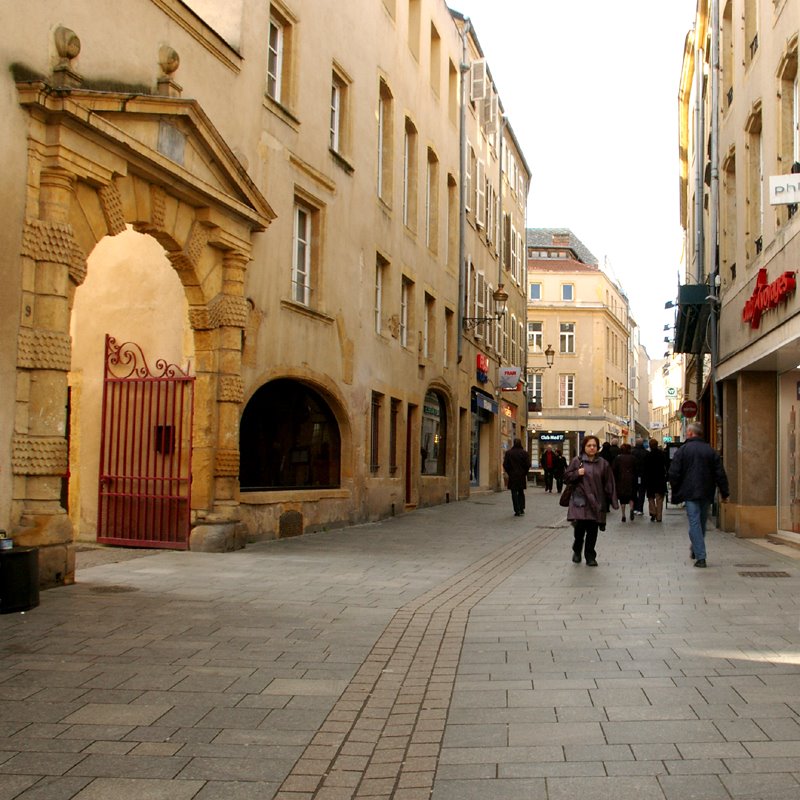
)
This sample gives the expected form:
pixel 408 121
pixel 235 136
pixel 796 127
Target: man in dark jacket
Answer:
pixel 695 472
pixel 640 454
pixel 549 466
pixel 516 464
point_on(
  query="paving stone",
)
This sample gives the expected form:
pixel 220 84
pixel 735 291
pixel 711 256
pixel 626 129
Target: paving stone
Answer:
pixel 137 789
pixel 622 788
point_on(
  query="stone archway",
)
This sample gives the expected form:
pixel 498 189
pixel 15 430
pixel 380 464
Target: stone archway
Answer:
pixel 92 171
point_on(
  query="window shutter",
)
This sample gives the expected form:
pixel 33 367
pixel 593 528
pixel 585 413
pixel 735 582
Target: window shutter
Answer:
pixel 478 79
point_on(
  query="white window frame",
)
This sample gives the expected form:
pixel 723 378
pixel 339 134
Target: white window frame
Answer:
pixel 275 58
pixel 480 303
pixel 530 291
pixel 480 194
pixel 404 298
pixel 535 381
pixel 566 391
pixel 566 338
pixel 302 242
pixel 568 288
pixel 535 336
pixel 381 135
pixel 378 295
pixel 336 114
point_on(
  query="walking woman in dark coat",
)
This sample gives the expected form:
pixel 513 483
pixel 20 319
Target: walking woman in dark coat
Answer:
pixel 592 490
pixel 655 480
pixel 516 464
pixel 626 470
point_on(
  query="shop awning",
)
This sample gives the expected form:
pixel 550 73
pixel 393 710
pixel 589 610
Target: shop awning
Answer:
pixel 691 325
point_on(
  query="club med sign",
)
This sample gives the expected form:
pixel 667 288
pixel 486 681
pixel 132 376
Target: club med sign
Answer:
pixel 767 295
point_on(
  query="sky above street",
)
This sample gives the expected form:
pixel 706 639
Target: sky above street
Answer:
pixel 591 92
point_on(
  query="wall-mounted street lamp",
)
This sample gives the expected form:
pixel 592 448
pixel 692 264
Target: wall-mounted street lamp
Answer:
pixel 500 298
pixel 549 357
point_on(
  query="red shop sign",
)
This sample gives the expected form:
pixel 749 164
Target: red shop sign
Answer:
pixel 482 362
pixel 766 296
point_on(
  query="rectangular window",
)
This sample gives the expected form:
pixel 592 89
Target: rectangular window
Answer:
pixel 468 178
pixel 566 391
pixel 410 175
pixel 336 110
pixel 275 58
pixel 435 60
pixel 567 291
pixel 453 98
pixel 394 421
pixel 448 333
pixel 405 300
pixel 428 326
pixel 374 432
pixel 534 391
pixel 339 97
pixel 480 303
pixel 535 337
pixel 480 194
pixel 385 115
pixel 432 202
pixel 414 29
pixel 513 352
pixel 301 263
pixel 567 337
pixel 453 220
pixel 535 291
pixel 381 265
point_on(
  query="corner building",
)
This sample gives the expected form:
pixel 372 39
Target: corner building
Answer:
pixel 740 159
pixel 235 292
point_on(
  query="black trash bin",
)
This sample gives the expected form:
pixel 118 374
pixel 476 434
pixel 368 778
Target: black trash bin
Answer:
pixel 19 579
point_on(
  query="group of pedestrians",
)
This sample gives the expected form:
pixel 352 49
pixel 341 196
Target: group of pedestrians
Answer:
pixel 614 477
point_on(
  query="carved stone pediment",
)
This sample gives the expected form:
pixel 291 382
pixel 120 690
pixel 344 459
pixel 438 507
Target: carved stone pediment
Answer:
pixel 164 139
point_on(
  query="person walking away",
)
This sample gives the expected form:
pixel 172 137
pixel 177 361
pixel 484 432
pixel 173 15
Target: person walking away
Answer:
pixel 559 470
pixel 549 465
pixel 694 474
pixel 639 452
pixel 625 471
pixel 516 464
pixel 655 480
pixel 592 490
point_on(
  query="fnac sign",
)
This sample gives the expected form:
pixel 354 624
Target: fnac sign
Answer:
pixel 766 296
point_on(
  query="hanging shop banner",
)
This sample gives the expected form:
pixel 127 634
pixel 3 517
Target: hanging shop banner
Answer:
pixel 482 368
pixel 509 378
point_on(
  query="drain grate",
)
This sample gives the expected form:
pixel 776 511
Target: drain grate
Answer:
pixel 765 574
pixel 112 589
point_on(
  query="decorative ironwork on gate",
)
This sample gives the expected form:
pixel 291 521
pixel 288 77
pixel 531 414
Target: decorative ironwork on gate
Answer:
pixel 145 451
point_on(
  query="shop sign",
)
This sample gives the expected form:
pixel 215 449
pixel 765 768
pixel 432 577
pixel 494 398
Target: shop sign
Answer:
pixel 551 437
pixel 784 189
pixel 509 378
pixel 766 296
pixel 482 364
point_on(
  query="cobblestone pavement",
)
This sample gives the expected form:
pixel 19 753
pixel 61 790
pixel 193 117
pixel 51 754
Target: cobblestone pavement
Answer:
pixel 453 653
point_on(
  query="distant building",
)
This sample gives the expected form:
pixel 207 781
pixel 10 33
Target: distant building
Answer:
pixel 580 314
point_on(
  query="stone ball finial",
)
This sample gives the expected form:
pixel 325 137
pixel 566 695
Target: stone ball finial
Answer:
pixel 68 45
pixel 168 59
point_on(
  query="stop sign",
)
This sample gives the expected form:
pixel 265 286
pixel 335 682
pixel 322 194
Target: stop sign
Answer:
pixel 689 408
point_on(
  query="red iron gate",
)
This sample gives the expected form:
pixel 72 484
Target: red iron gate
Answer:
pixel 145 451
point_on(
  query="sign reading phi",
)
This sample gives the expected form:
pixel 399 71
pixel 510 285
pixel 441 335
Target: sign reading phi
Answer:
pixel 766 296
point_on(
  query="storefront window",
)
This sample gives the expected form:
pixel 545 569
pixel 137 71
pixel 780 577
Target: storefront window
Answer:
pixel 289 439
pixel 434 428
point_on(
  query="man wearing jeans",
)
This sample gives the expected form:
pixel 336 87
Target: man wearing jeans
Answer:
pixel 695 472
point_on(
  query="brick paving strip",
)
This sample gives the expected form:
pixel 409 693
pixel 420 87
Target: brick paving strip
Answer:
pixel 383 736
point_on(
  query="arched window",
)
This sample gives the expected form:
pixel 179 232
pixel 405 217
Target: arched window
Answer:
pixel 433 449
pixel 288 439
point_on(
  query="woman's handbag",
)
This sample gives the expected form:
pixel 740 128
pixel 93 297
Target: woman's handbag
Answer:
pixel 565 495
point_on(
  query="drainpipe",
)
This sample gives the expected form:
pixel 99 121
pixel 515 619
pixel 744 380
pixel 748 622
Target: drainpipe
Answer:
pixel 699 190
pixel 462 210
pixel 714 210
pixel 462 228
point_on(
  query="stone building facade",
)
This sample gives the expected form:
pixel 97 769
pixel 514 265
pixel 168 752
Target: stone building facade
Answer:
pixel 257 207
pixel 739 176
